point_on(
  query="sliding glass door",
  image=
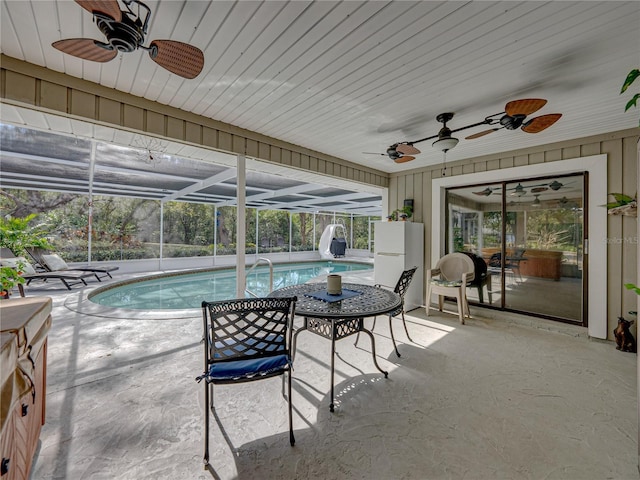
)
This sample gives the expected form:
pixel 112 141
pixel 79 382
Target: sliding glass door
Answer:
pixel 529 235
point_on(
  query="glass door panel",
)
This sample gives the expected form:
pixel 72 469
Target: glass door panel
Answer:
pixel 543 264
pixel 474 226
pixel 528 234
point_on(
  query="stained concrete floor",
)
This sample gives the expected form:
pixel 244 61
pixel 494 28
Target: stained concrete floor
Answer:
pixel 492 399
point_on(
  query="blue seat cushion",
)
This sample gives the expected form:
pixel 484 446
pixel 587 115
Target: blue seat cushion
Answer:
pixel 243 369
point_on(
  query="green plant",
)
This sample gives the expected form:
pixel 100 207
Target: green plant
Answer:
pixel 631 286
pixel 406 210
pixel 633 74
pixel 17 235
pixel 9 278
pixel 620 200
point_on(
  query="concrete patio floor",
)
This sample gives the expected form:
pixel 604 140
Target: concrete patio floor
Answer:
pixel 492 399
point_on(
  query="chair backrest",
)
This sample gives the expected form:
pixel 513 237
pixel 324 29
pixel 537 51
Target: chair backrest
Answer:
pixel 495 260
pixel 247 328
pixel 518 255
pixel 453 265
pixel 404 281
pixel 480 267
pixel 36 254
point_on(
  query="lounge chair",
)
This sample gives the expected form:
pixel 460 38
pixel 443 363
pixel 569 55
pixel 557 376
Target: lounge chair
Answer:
pixel 69 277
pixel 52 262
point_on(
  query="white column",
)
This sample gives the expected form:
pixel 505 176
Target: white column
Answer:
pixel 90 226
pixel 241 225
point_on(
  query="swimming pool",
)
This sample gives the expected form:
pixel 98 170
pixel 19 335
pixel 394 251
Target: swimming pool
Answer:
pixel 187 290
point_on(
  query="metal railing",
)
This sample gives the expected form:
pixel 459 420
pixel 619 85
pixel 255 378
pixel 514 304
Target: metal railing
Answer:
pixel 258 262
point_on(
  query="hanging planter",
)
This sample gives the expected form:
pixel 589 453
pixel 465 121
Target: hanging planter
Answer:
pixel 630 210
pixel 623 205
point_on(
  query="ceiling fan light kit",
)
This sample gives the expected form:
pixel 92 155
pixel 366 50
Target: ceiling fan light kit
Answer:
pixel 444 144
pixel 125 32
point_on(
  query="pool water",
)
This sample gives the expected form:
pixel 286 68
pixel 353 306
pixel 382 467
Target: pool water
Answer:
pixel 188 290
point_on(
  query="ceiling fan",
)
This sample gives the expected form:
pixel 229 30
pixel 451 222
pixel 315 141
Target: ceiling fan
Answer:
pixel 125 31
pixel 514 116
pixel 519 190
pixel 399 152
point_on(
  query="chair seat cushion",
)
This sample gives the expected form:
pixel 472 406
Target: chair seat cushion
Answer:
pixel 446 283
pixel 238 369
pixel 54 262
pixel 19 263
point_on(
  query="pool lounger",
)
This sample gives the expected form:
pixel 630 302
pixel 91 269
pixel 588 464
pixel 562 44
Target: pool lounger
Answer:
pixel 54 263
pixel 67 277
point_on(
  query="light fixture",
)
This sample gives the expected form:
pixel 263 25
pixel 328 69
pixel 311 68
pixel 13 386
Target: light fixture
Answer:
pixel 555 185
pixel 518 191
pixel 445 143
pixel 536 201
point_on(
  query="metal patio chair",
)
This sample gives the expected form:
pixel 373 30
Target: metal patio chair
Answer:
pixel 401 289
pixel 246 340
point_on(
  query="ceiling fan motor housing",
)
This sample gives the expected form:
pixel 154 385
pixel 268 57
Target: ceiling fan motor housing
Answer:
pixel 393 153
pixel 123 36
pixel 511 122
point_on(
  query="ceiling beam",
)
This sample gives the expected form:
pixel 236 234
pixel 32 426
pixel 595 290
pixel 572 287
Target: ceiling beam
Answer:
pixel 202 184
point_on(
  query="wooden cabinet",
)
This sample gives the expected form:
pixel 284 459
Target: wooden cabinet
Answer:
pixel 534 263
pixel 23 339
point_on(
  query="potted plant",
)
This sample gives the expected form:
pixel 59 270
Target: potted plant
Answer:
pixel 407 211
pixel 9 278
pixel 623 205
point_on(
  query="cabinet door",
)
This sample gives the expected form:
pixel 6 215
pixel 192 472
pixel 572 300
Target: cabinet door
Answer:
pixel 8 447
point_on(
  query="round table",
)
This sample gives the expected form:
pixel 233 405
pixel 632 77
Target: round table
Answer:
pixel 338 319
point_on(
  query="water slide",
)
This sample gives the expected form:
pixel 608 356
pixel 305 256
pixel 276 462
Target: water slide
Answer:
pixel 325 240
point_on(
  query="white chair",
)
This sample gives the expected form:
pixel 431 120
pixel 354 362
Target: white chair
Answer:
pixel 449 278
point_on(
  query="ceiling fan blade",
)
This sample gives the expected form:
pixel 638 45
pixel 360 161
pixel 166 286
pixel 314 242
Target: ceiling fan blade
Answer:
pixel 405 158
pixel 481 134
pixel 407 149
pixel 539 189
pixel 540 123
pixel 85 48
pixel 107 7
pixel 374 153
pixel 177 57
pixel 524 107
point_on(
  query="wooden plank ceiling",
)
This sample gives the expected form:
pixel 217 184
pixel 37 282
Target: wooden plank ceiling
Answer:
pixel 357 76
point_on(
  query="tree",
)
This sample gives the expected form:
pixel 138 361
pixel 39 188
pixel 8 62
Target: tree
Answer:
pixel 306 226
pixel 20 203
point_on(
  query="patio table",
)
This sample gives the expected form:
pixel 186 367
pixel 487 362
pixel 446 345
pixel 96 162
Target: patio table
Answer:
pixel 339 319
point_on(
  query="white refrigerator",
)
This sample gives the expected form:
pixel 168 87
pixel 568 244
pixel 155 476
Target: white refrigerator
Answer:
pixel 399 246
